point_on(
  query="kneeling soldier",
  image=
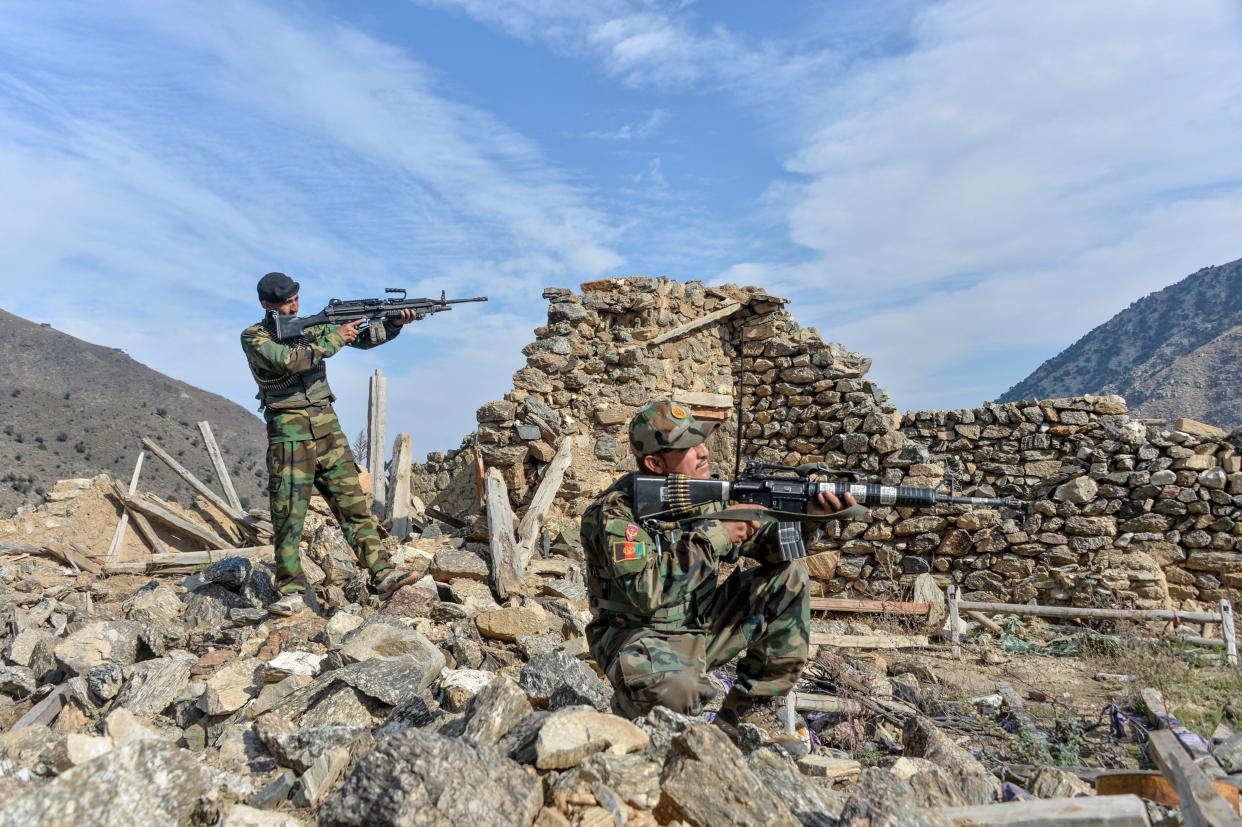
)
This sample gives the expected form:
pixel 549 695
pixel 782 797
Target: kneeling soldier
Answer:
pixel 661 621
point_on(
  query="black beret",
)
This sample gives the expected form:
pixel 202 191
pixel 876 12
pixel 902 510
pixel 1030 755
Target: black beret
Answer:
pixel 277 287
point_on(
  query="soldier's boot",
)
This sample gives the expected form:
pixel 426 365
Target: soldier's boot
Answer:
pixel 764 713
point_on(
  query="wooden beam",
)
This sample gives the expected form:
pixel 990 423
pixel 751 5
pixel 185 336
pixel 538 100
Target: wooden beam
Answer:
pixel 179 524
pixel 1088 811
pixel 236 514
pixel 1202 805
pixel 814 702
pixel 148 533
pixel 954 606
pixel 1075 611
pixel 869 641
pixel 851 606
pixel 506 571
pixel 45 711
pixel 694 324
pixel 189 559
pixel 217 462
pixel 72 558
pixel 397 514
pixel 1228 632
pixel 118 536
pixel 532 522
pixel 1153 786
pixel 377 421
pixel 985 621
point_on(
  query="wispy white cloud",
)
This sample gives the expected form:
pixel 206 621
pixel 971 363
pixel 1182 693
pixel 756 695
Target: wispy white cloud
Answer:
pixel 634 131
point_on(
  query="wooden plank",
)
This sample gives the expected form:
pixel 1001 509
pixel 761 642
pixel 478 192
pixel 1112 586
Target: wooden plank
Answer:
pixel 1228 632
pixel 188 559
pixel 236 514
pixel 545 495
pixel 954 621
pixel 180 525
pixel 148 533
pixel 217 462
pixel 813 702
pixel 694 324
pixel 506 571
pixel 1088 811
pixel 891 607
pixel 45 711
pixel 377 421
pixel 869 641
pixel 72 558
pixel 985 621
pixel 446 518
pixel 397 514
pixel 1202 805
pixel 118 536
pixel 1075 611
pixel 1153 786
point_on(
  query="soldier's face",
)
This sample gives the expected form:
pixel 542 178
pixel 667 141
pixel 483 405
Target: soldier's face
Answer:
pixel 692 462
pixel 288 307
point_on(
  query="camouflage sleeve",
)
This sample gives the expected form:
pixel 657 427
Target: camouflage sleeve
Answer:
pixel 653 575
pixel 277 357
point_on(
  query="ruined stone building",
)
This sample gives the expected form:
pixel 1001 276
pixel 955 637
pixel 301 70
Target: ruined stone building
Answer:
pixel 1117 511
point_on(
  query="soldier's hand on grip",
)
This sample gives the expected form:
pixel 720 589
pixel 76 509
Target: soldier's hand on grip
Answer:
pixel 741 530
pixel 349 331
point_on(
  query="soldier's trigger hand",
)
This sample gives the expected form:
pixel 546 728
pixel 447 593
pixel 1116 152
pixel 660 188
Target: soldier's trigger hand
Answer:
pixel 349 331
pixel 740 530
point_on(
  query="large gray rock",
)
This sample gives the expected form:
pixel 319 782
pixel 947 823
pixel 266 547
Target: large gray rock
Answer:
pixel 881 799
pixel 557 680
pixel 229 689
pixel 381 638
pixel 152 685
pixel 922 739
pixel 635 777
pixel 299 749
pixel 115 641
pixel 814 805
pixel 104 680
pixel 396 679
pixel 18 681
pixel 209 606
pixel 706 782
pixel 145 782
pixel 153 604
pixel 573 733
pixel 417 779
pixel 344 705
pixel 494 711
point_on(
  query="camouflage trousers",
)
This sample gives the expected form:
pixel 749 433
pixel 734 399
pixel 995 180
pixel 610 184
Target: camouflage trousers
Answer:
pixel 764 611
pixel 296 469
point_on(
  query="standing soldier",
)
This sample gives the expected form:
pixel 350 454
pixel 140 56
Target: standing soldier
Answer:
pixel 661 621
pixel 306 449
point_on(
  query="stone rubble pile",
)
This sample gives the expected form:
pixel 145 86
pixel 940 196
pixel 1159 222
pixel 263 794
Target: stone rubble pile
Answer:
pixel 180 700
pixel 1117 511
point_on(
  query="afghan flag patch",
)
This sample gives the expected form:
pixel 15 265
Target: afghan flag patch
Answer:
pixel 628 550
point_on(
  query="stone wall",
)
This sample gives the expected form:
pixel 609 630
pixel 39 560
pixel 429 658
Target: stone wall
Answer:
pixel 1118 512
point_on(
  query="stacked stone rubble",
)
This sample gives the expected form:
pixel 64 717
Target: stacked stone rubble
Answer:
pixel 1117 512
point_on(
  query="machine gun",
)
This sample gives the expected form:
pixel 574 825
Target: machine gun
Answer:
pixel 343 311
pixel 786 494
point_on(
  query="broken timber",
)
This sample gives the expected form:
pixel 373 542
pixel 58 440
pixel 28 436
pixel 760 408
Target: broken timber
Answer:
pixel 45 711
pixel 178 524
pixel 1089 811
pixel 1202 805
pixel 545 495
pixel 377 420
pixel 237 515
pixel 187 559
pixel 694 324
pixel 118 536
pixel 869 641
pixel 1075 611
pixel 217 462
pixel 506 563
pixel 398 512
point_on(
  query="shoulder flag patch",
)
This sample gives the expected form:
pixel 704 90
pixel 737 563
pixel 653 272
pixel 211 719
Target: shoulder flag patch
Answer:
pixel 623 551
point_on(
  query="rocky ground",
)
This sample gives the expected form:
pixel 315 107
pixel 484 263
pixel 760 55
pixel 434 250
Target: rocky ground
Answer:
pixel 175 698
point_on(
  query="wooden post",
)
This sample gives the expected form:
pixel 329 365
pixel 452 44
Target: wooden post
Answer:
pixel 1227 630
pixel 545 495
pixel 377 421
pixel 118 536
pixel 398 513
pixel 954 634
pixel 1075 611
pixel 217 462
pixel 177 523
pixel 1202 805
pixel 506 574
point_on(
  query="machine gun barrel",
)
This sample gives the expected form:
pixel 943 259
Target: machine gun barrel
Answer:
pixel 343 311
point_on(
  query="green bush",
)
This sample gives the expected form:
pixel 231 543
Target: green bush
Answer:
pixel 80 447
pixel 62 437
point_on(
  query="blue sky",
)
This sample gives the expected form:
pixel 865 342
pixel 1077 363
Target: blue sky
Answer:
pixel 957 189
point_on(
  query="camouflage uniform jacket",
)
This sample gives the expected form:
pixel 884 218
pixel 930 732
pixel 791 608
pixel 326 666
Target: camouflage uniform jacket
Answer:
pixel 292 377
pixel 666 581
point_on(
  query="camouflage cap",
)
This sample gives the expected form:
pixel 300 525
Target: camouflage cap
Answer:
pixel 666 425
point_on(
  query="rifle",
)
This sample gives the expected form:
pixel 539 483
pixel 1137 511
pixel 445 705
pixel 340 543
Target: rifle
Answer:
pixel 786 493
pixel 343 311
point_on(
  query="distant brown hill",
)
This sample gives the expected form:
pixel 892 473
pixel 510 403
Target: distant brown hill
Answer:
pixel 69 408
pixel 1174 353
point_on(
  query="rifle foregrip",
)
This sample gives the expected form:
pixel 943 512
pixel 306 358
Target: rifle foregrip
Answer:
pixel 908 495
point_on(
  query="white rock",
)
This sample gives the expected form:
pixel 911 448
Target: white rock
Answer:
pixel 292 663
pixel 229 689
